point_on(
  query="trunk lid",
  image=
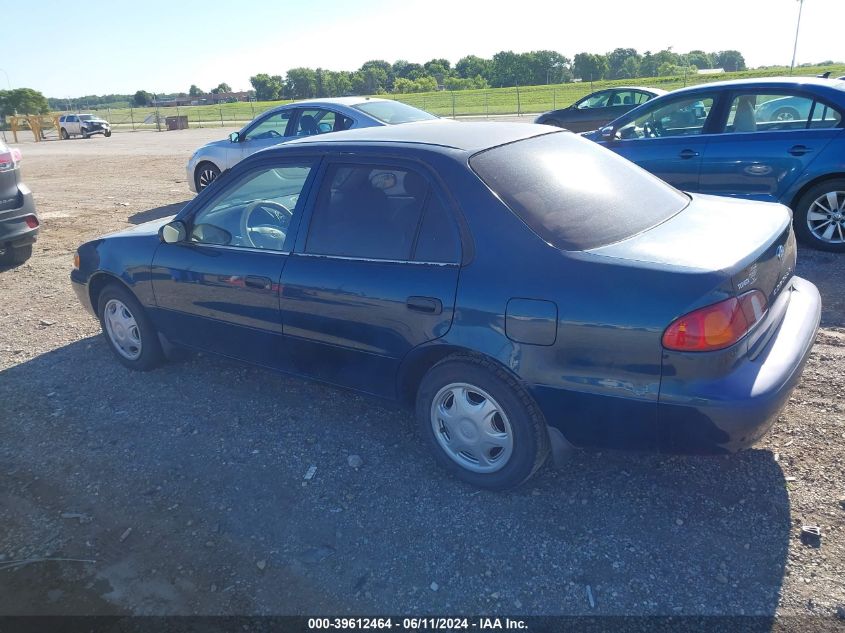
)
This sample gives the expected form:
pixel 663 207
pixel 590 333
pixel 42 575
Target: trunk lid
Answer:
pixel 750 242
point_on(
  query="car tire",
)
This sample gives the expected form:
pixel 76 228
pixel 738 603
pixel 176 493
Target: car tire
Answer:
pixel 785 114
pixel 205 174
pixel 84 133
pixel 107 133
pixel 487 400
pixel 819 216
pixel 64 134
pixel 16 256
pixel 128 330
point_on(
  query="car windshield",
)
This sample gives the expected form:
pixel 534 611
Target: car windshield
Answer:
pixel 575 195
pixel 393 112
pixel 86 117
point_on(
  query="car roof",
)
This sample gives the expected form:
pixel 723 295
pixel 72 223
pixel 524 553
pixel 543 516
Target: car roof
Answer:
pixel 767 82
pixel 466 136
pixel 657 91
pixel 330 101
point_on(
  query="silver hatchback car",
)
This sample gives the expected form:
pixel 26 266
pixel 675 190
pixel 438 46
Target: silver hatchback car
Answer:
pixel 295 120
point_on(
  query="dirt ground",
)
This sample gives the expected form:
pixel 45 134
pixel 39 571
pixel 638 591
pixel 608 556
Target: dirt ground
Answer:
pixel 182 490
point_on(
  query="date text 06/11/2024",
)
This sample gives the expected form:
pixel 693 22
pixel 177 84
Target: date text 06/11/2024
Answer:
pixel 414 624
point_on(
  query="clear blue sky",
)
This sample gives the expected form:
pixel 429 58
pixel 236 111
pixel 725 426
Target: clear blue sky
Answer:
pixel 165 46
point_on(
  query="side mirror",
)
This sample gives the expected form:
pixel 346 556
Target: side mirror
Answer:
pixel 234 137
pixel 173 233
pixel 606 133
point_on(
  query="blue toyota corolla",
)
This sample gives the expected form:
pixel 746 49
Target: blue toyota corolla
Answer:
pixel 523 287
pixel 779 140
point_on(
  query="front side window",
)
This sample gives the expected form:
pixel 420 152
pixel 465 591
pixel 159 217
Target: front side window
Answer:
pixel 599 100
pixel 273 126
pixel 680 117
pixel 366 211
pixel 255 211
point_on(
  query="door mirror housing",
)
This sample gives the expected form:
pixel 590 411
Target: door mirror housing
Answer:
pixel 234 137
pixel 173 232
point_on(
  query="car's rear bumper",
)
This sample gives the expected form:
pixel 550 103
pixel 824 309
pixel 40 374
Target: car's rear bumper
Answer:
pixel 14 231
pixel 736 409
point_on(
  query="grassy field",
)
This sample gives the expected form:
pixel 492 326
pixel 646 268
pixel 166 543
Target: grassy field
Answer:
pixel 528 99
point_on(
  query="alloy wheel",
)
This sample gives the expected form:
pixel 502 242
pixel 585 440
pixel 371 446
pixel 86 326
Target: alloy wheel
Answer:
pixel 826 217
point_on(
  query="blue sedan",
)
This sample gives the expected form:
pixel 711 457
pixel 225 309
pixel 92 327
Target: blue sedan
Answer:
pixel 779 140
pixel 523 288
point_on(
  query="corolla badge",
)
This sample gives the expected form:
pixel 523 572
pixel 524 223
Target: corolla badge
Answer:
pixel 780 251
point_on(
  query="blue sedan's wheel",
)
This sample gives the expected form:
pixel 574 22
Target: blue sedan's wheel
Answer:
pixel 127 329
pixel 482 425
pixel 820 216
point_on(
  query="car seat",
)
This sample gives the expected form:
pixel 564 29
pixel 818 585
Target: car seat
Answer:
pixel 744 119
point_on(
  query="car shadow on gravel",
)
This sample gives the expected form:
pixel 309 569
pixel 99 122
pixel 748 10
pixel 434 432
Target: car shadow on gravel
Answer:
pixel 190 488
pixel 156 214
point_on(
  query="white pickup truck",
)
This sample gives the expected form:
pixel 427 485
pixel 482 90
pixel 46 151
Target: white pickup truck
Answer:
pixel 84 125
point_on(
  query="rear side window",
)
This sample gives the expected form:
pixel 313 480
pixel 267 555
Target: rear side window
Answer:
pixel 438 241
pixel 366 211
pixel 574 194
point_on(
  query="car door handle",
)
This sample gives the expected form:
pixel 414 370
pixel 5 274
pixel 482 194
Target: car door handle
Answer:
pixel 429 305
pixel 262 283
pixel 799 150
pixel 688 153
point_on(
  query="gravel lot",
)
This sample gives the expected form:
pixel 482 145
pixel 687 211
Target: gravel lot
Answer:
pixel 184 487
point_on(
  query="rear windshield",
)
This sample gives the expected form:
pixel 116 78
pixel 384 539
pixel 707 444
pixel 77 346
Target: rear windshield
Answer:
pixel 393 112
pixel 573 193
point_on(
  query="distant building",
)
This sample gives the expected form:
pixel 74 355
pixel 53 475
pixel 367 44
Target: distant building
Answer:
pixel 710 71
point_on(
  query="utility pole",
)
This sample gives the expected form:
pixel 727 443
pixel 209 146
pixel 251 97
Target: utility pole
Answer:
pixel 797 27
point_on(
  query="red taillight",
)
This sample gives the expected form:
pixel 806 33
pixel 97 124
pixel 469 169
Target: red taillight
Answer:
pixel 716 326
pixel 31 221
pixel 10 159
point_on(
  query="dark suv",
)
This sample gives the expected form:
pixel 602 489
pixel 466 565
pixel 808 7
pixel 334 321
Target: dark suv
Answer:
pixel 18 221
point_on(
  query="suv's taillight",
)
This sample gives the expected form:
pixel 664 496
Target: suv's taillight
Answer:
pixel 716 326
pixel 10 159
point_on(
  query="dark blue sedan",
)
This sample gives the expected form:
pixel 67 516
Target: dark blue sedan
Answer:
pixel 779 140
pixel 524 288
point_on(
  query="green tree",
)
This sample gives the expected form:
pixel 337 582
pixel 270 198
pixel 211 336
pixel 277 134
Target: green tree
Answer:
pixel 547 67
pixel 630 68
pixel 23 101
pixel 377 76
pixel 669 70
pixel 370 80
pixel 650 64
pixel 223 87
pixel 616 59
pixel 729 60
pixel 438 68
pixel 589 66
pixel 699 59
pixel 142 98
pixel 472 65
pixel 301 83
pixel 194 91
pixel 267 87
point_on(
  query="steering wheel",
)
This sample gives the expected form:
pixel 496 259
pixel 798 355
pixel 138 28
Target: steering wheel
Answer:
pixel 271 133
pixel 268 232
pixel 652 129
